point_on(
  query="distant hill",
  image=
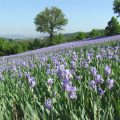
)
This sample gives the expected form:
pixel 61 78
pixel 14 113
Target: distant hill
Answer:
pixel 20 36
pixel 71 34
pixel 13 36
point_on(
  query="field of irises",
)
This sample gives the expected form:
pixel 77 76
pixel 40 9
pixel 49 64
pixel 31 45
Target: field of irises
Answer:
pixel 80 83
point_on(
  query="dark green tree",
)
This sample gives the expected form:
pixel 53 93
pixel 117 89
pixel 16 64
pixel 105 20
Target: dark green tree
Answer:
pixel 93 33
pixel 57 39
pixel 50 21
pixel 116 7
pixel 17 49
pixel 113 27
pixel 96 33
pixel 36 43
pixel 81 35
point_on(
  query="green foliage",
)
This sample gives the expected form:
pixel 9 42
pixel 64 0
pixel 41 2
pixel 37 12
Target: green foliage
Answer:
pixel 5 46
pixel 113 27
pixel 92 34
pixel 36 44
pixel 116 7
pixel 8 47
pixel 81 35
pixel 58 39
pixel 17 49
pixel 96 33
pixel 50 20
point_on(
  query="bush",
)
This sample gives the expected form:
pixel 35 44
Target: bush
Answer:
pixel 81 35
pixel 96 33
pixel 58 39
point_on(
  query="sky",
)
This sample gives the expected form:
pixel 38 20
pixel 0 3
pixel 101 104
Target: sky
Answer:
pixel 17 16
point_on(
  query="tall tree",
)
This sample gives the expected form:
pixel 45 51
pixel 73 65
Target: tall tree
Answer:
pixel 50 21
pixel 116 7
pixel 113 27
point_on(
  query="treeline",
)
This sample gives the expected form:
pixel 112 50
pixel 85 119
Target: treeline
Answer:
pixel 10 46
pixel 92 34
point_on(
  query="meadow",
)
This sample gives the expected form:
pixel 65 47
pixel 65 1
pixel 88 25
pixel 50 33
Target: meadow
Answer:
pixel 64 82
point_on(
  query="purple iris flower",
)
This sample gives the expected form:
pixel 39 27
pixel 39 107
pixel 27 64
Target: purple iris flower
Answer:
pixel 27 75
pixel 73 95
pixel 48 104
pixel 65 84
pixel 110 83
pixel 93 71
pixel 31 81
pixel 61 69
pixel 70 89
pixel 84 64
pixel 48 71
pixel 14 68
pixel 48 65
pixel 92 84
pixel 98 79
pixel 78 77
pixel 73 64
pixel 50 82
pixel 31 65
pixel 67 74
pixel 98 56
pixel 20 74
pixel 101 91
pixel 89 57
pixel 23 64
pixel 107 70
pixel 43 59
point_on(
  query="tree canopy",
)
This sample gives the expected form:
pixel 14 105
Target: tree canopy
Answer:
pixel 50 21
pixel 96 33
pixel 113 27
pixel 116 7
pixel 81 35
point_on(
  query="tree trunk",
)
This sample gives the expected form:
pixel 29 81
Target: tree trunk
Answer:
pixel 51 37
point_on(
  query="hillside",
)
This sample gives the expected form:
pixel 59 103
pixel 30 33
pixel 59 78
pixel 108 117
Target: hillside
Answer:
pixel 62 46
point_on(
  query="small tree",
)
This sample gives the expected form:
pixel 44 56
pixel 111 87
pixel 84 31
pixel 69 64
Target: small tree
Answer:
pixel 96 33
pixel 93 33
pixel 50 20
pixel 81 35
pixel 116 7
pixel 113 27
pixel 58 39
pixel 36 43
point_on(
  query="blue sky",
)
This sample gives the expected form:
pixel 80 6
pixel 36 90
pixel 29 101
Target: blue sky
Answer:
pixel 17 16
